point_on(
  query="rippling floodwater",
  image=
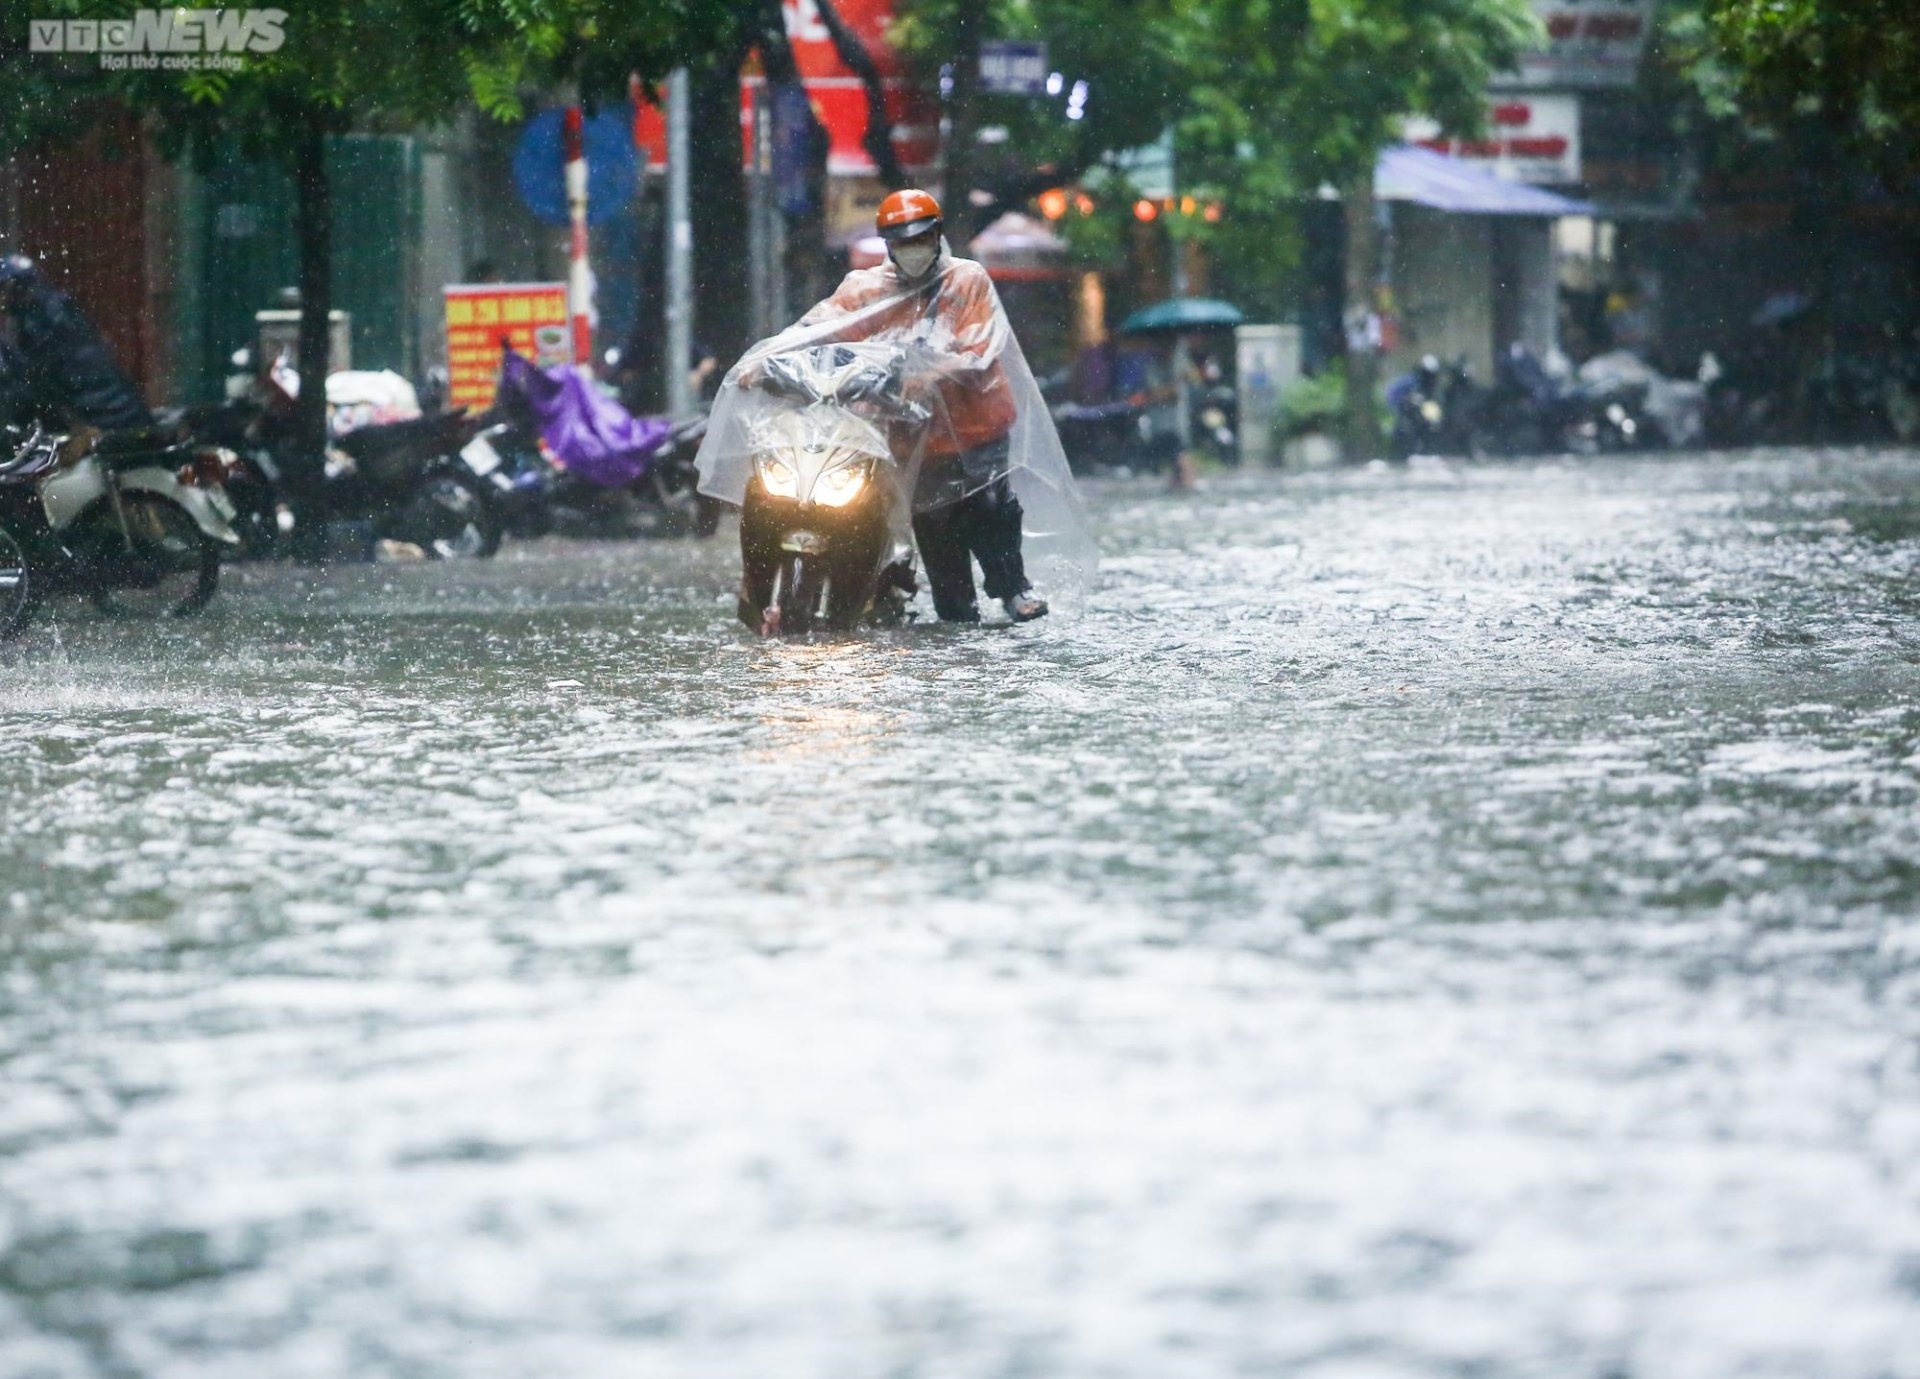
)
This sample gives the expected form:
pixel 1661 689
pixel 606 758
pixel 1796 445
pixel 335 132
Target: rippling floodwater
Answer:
pixel 1457 923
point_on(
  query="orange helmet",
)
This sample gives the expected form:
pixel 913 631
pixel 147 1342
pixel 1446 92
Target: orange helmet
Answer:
pixel 907 213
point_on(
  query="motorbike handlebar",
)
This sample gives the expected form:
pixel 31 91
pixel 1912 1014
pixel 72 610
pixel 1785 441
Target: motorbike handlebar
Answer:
pixel 812 375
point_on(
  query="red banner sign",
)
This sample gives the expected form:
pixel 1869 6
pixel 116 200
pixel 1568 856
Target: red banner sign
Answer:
pixel 837 95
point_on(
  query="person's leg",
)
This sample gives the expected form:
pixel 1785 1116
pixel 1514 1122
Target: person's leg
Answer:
pixel 943 550
pixel 992 526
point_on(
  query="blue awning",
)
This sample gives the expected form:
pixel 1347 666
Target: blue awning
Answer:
pixel 1407 173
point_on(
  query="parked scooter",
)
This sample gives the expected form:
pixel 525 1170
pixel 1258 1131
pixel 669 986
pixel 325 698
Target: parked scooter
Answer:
pixel 1531 410
pixel 1434 409
pixel 1126 434
pixel 135 524
pixel 823 532
pixel 407 479
pixel 576 462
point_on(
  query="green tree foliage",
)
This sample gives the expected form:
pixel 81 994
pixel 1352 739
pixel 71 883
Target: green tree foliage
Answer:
pixel 1851 65
pixel 1309 90
pixel 1120 48
pixel 1289 96
pixel 1270 99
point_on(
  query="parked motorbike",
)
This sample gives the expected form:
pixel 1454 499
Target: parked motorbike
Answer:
pixel 823 531
pixel 577 463
pixel 1118 435
pixel 1531 411
pixel 408 479
pixel 1215 423
pixel 1434 410
pixel 135 524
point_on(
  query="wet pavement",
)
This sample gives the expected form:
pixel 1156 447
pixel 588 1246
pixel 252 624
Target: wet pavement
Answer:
pixel 1458 922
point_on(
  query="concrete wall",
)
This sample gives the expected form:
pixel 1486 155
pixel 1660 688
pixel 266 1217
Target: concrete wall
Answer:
pixel 1525 284
pixel 1470 285
pixel 97 214
pixel 1442 269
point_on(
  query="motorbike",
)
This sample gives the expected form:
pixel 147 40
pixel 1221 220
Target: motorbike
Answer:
pixel 1216 419
pixel 823 528
pixel 1434 410
pixel 407 480
pixel 538 496
pixel 607 473
pixel 1126 434
pixel 136 524
pixel 1530 411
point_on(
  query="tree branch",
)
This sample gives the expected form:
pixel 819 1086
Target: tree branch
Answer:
pixel 878 139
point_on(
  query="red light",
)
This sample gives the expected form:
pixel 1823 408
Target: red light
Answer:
pixel 1053 203
pixel 1145 210
pixel 1212 213
pixel 208 469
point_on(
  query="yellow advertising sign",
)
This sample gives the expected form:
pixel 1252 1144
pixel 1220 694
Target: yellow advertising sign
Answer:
pixel 532 317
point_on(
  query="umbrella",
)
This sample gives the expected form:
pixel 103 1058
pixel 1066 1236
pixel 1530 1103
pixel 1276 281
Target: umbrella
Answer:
pixel 1182 313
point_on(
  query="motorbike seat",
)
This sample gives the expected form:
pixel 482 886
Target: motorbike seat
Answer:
pixel 136 439
pixel 428 435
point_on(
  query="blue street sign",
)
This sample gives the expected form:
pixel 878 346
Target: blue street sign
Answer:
pixel 1013 69
pixel 613 167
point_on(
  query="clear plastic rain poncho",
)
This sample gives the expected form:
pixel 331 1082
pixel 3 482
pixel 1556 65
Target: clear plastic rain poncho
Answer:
pixel 965 387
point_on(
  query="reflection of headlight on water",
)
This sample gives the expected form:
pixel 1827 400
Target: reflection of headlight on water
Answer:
pixel 779 478
pixel 838 487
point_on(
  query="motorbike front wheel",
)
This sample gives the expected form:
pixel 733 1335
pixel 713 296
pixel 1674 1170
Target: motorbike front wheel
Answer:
pixel 800 594
pixel 16 585
pixel 158 564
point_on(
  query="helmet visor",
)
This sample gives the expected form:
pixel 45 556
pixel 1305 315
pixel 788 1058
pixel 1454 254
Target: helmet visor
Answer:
pixel 908 229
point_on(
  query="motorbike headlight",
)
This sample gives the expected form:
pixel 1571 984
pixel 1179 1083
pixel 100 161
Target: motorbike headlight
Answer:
pixel 838 487
pixel 1431 411
pixel 779 478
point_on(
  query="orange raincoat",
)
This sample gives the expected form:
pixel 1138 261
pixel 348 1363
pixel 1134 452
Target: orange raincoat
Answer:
pixel 959 309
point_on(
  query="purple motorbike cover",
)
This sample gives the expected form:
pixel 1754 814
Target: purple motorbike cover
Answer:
pixel 587 431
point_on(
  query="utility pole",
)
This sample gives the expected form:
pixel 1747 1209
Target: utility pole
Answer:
pixel 580 312
pixel 760 308
pixel 776 231
pixel 679 249
pixel 960 120
pixel 1182 361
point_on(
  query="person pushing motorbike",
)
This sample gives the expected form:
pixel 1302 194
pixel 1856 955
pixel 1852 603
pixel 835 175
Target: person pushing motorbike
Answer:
pixel 964 505
pixel 983 440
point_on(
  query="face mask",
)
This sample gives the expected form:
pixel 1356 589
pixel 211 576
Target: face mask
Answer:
pixel 915 259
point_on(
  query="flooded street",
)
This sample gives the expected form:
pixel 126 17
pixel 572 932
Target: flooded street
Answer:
pixel 1458 922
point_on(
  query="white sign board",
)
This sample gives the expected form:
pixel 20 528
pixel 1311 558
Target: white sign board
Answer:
pixel 1529 139
pixel 1589 43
